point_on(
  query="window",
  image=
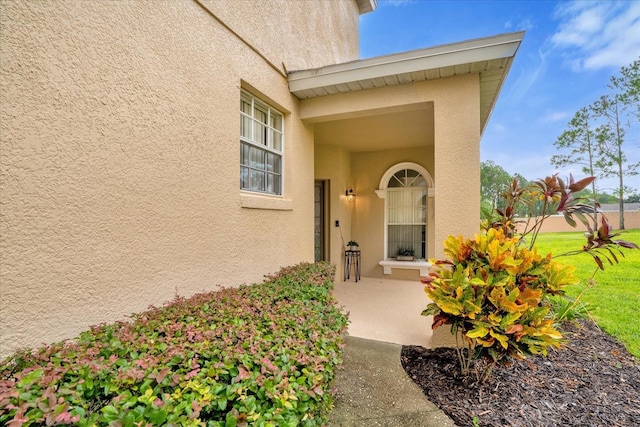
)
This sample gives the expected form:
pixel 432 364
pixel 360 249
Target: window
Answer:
pixel 405 188
pixel 406 204
pixel 261 146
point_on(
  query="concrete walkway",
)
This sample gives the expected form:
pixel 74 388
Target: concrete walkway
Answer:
pixel 389 311
pixel 373 390
pixel 372 387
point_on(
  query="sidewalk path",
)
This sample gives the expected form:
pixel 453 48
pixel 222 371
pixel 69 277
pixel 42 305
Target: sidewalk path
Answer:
pixel 374 390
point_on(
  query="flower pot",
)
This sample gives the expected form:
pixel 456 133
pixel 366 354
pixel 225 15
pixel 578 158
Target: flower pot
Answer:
pixel 405 258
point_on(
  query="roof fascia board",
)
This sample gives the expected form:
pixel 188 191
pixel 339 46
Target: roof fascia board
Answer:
pixel 494 99
pixel 366 6
pixel 418 53
pixel 502 46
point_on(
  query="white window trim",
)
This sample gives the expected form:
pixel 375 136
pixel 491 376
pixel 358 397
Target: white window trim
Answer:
pixel 251 141
pixel 384 181
pixel 387 263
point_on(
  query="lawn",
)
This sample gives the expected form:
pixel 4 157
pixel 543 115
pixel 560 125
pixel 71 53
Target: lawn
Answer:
pixel 614 300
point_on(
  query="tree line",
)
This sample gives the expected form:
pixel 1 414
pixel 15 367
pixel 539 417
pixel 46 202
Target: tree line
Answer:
pixel 594 140
pixel 494 180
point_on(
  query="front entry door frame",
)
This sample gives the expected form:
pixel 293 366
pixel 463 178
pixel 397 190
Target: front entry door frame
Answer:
pixel 321 220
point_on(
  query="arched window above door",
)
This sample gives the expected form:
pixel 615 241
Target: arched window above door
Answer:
pixel 403 175
pixel 406 178
pixel 406 188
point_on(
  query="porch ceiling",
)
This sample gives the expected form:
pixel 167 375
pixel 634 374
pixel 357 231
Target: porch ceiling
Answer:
pixel 489 57
pixel 400 129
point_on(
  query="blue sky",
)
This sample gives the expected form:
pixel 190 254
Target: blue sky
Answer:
pixel 569 52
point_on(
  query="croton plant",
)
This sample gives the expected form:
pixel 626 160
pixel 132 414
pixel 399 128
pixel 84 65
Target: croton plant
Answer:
pixel 493 289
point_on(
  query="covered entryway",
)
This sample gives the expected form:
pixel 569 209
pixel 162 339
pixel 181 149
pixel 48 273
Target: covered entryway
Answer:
pixel 342 157
pixel 425 108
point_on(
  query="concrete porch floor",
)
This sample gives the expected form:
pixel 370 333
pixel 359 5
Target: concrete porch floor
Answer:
pixel 372 388
pixel 389 310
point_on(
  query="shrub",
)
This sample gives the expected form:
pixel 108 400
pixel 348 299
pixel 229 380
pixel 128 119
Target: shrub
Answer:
pixel 493 294
pixel 495 290
pixel 263 355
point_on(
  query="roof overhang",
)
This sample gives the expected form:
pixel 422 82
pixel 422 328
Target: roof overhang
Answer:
pixel 490 57
pixel 366 6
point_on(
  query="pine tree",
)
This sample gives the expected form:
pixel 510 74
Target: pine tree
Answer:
pixel 581 147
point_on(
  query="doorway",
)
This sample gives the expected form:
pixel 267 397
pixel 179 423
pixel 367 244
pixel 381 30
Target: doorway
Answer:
pixel 320 221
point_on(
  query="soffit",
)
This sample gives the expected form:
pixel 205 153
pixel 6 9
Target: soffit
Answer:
pixel 366 6
pixel 390 130
pixel 490 57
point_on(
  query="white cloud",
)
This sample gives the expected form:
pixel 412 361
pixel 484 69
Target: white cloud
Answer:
pixel 598 34
pixel 579 26
pixel 528 75
pixel 555 116
pixel 526 24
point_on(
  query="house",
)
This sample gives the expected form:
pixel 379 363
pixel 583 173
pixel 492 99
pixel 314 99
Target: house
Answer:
pixel 154 149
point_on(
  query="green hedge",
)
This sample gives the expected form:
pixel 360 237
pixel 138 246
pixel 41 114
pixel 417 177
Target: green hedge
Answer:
pixel 260 355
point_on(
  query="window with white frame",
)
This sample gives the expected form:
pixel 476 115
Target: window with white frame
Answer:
pixel 406 206
pixel 261 146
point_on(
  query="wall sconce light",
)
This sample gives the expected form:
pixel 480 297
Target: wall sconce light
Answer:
pixel 351 196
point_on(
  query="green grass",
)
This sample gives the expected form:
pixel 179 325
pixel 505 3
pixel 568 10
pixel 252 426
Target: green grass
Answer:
pixel 615 299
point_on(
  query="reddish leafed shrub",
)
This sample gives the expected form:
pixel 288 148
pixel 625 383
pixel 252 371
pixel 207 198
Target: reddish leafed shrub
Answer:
pixel 260 355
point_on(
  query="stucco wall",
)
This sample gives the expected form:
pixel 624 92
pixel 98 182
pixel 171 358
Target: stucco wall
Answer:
pixel 457 161
pixel 333 164
pixel 298 34
pixel 119 158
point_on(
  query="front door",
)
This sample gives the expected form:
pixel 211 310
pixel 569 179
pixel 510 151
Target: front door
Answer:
pixel 320 219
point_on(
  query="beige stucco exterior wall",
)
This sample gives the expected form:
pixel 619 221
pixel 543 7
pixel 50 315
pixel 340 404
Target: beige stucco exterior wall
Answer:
pixel 333 164
pixel 119 179
pixel 299 34
pixel 455 164
pixel 457 161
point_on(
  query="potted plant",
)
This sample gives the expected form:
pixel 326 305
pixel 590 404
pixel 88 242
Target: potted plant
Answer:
pixel 405 254
pixel 352 245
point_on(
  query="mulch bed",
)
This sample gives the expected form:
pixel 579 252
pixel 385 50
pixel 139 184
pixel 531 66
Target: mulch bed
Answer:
pixel 591 381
